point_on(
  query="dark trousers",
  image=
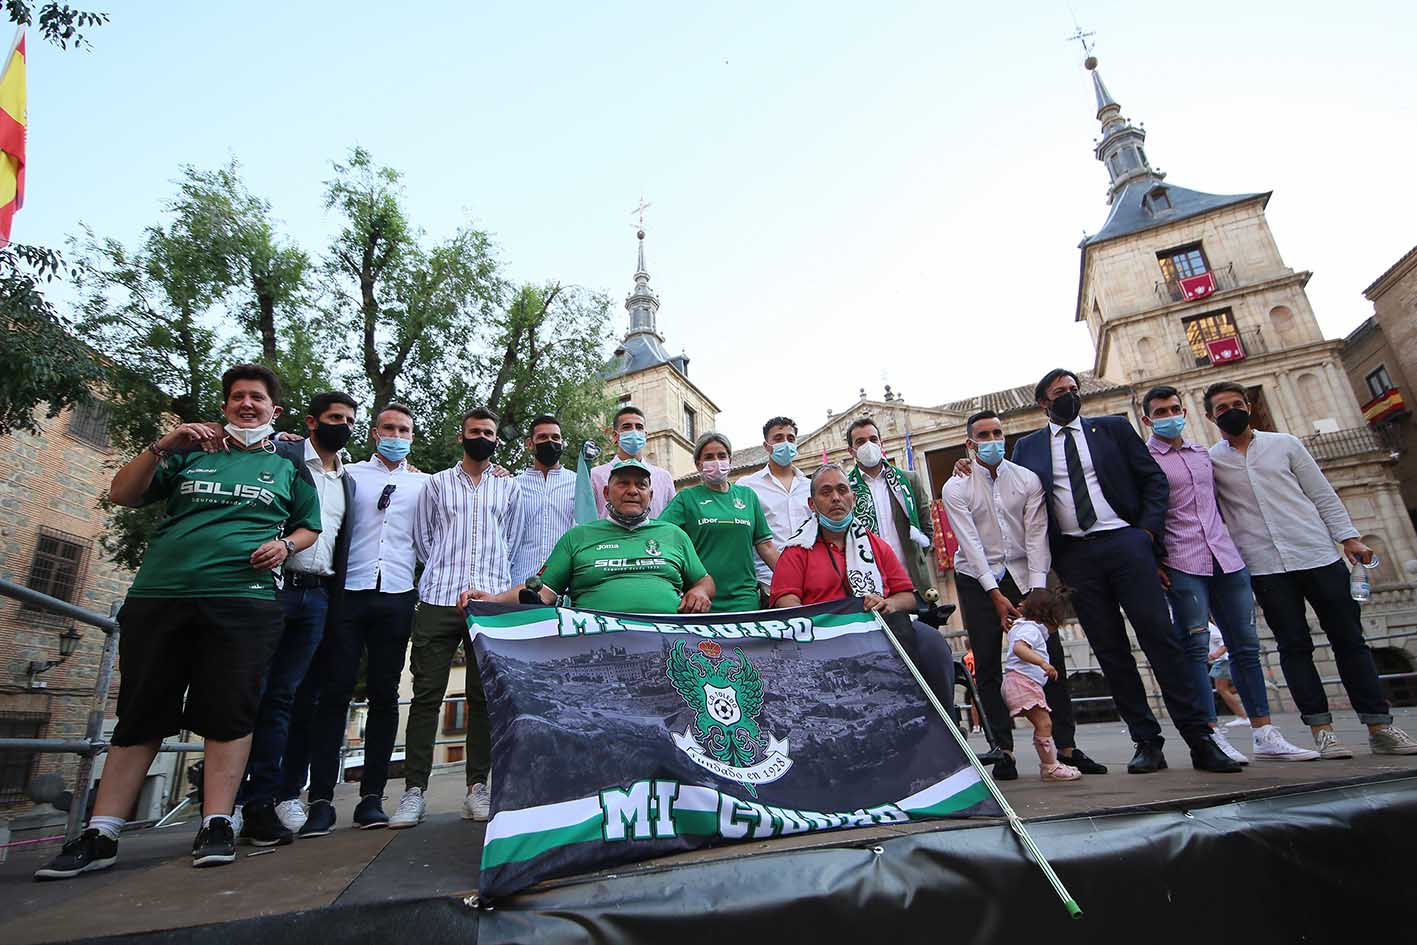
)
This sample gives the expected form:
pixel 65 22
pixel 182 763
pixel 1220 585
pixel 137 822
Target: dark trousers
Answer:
pixel 304 611
pixel 986 639
pixel 379 623
pixel 931 654
pixel 1114 572
pixel 1282 597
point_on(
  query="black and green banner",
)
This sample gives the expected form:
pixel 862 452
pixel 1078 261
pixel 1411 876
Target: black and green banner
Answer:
pixel 618 737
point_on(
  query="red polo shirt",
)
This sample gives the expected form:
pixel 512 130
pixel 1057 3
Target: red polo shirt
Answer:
pixel 818 574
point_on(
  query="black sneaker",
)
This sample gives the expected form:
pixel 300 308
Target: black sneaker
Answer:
pixel 87 852
pixel 1006 770
pixel 319 821
pixel 215 844
pixel 370 813
pixel 262 828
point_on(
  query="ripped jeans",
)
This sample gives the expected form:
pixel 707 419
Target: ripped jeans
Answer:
pixel 1228 600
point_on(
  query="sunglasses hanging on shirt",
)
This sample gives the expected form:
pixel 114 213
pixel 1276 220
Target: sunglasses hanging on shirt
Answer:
pixel 387 495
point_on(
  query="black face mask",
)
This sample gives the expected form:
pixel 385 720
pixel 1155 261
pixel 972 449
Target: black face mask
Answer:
pixel 1065 408
pixel 479 448
pixel 548 452
pixel 332 436
pixel 1233 422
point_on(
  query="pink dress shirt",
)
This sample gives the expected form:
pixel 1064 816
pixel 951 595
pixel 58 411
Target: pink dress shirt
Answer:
pixel 1196 536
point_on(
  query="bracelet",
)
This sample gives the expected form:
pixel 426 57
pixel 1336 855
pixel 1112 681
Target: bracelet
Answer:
pixel 158 451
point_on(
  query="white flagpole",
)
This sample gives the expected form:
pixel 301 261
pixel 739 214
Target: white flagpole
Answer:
pixel 1015 822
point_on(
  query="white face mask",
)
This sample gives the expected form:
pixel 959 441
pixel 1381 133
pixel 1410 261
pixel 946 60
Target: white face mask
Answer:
pixel 249 436
pixel 715 470
pixel 868 455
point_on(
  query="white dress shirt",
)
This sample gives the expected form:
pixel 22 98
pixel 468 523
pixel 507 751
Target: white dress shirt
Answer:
pixel 1000 524
pixel 381 555
pixel 548 512
pixel 660 482
pixel 885 510
pixel 319 558
pixel 1281 511
pixel 1063 510
pixel 464 533
pixel 785 509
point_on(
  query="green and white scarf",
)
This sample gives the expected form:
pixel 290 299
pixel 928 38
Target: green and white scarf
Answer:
pixel 862 575
pixel 866 507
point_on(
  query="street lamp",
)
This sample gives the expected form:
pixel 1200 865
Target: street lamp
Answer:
pixel 68 643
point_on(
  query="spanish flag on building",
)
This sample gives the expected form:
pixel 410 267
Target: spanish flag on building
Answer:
pixel 12 136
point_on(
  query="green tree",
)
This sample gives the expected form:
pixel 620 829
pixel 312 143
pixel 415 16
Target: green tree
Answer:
pixel 59 23
pixel 45 363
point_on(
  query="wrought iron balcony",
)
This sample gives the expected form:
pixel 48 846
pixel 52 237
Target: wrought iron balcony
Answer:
pixel 1168 291
pixel 1343 444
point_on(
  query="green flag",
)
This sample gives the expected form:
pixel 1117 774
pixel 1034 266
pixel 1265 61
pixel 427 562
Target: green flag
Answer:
pixel 585 491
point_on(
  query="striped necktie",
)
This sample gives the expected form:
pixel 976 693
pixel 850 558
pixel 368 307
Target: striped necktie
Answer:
pixel 1082 500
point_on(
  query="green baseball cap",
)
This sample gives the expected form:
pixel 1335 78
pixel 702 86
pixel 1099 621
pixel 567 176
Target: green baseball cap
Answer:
pixel 627 465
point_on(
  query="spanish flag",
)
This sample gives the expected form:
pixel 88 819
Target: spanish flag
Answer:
pixel 12 136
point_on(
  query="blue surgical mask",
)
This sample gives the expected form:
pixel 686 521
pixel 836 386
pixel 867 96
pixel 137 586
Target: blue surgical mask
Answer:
pixel 832 525
pixel 991 453
pixel 1168 428
pixel 393 449
pixel 632 441
pixel 784 453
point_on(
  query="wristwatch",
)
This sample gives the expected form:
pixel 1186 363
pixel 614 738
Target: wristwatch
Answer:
pixel 289 547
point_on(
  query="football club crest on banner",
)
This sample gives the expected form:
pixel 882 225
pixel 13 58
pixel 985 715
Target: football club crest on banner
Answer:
pixel 727 695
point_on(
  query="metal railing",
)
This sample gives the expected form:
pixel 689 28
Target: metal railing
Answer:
pixel 1168 291
pixel 1351 442
pixel 1251 342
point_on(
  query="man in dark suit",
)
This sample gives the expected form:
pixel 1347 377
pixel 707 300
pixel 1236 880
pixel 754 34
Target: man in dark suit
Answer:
pixel 1107 501
pixel 313 583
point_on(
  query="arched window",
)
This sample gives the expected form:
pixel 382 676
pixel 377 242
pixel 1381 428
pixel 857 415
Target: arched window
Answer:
pixel 1395 661
pixel 1146 355
pixel 1286 329
pixel 1386 570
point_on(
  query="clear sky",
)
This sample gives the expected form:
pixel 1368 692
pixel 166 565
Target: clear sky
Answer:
pixel 842 193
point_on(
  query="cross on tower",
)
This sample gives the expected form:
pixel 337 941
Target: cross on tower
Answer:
pixel 641 210
pixel 1082 36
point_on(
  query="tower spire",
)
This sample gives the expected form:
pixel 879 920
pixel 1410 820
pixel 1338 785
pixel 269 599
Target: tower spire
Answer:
pixel 642 303
pixel 1120 147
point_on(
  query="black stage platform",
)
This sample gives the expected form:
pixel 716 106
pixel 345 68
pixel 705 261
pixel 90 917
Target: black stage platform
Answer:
pixel 1308 852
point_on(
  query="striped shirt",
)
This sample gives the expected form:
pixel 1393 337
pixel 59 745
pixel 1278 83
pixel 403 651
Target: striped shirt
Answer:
pixel 548 512
pixel 464 533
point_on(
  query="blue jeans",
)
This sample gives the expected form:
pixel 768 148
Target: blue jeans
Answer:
pixel 1229 601
pixel 305 612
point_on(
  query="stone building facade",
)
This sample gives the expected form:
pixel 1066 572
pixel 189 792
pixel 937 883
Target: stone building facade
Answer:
pixel 1380 356
pixel 1186 288
pixel 50 524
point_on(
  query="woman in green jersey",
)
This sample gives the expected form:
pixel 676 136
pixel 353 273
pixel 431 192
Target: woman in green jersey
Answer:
pixel 725 522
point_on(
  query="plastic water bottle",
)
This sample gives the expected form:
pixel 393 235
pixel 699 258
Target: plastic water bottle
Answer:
pixel 1358 586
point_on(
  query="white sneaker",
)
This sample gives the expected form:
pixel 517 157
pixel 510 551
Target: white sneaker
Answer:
pixel 1236 722
pixel 238 820
pixel 1391 740
pixel 410 812
pixel 1223 743
pixel 1271 745
pixel 478 803
pixel 1330 748
pixel 291 814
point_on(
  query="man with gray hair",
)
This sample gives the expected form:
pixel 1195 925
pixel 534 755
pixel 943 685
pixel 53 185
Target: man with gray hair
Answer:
pixel 835 556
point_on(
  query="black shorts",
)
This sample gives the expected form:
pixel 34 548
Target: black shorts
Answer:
pixel 213 650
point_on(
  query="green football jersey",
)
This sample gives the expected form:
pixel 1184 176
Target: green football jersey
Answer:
pixel 605 566
pixel 220 508
pixel 724 527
